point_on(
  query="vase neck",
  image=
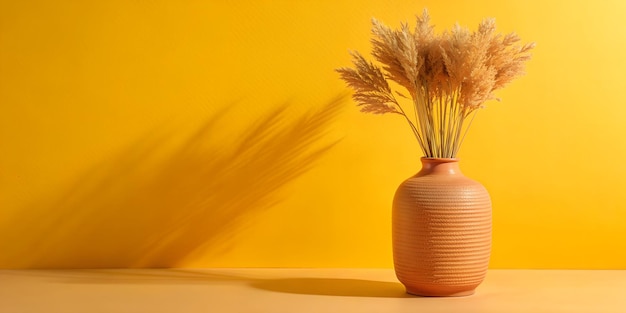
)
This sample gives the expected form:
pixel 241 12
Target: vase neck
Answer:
pixel 440 166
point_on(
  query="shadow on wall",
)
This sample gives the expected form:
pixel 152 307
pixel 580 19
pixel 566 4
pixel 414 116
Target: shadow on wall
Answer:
pixel 136 211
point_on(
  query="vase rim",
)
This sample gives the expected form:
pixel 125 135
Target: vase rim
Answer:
pixel 440 159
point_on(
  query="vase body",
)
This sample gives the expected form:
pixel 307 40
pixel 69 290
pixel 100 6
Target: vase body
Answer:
pixel 441 231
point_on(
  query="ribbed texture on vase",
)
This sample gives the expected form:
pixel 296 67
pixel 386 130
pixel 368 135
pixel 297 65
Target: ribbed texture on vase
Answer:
pixel 441 234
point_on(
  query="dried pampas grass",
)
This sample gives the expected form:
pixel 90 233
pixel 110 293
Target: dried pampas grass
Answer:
pixel 447 76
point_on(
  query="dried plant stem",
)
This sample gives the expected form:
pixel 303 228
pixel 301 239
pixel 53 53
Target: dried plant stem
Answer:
pixel 439 123
pixel 467 128
pixel 412 125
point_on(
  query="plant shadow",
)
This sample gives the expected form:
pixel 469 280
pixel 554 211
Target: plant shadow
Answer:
pixel 150 207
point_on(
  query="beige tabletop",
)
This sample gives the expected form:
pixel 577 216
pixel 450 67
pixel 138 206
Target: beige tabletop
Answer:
pixel 299 290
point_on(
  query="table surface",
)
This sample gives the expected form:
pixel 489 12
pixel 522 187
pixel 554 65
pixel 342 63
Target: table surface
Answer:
pixel 299 290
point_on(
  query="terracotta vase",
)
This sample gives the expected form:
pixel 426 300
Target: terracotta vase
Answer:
pixel 441 229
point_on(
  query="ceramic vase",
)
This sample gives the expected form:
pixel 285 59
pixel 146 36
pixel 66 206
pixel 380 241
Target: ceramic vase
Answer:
pixel 441 230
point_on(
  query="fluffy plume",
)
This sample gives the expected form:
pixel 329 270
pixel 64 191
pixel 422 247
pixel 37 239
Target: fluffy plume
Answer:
pixel 372 92
pixel 447 76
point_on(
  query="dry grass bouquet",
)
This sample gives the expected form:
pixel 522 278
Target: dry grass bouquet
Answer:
pixel 447 76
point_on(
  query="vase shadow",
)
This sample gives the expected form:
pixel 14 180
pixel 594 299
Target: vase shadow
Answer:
pixel 322 286
pixel 334 287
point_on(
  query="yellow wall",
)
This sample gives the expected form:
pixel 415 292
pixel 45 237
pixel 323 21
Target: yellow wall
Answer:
pixel 209 133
